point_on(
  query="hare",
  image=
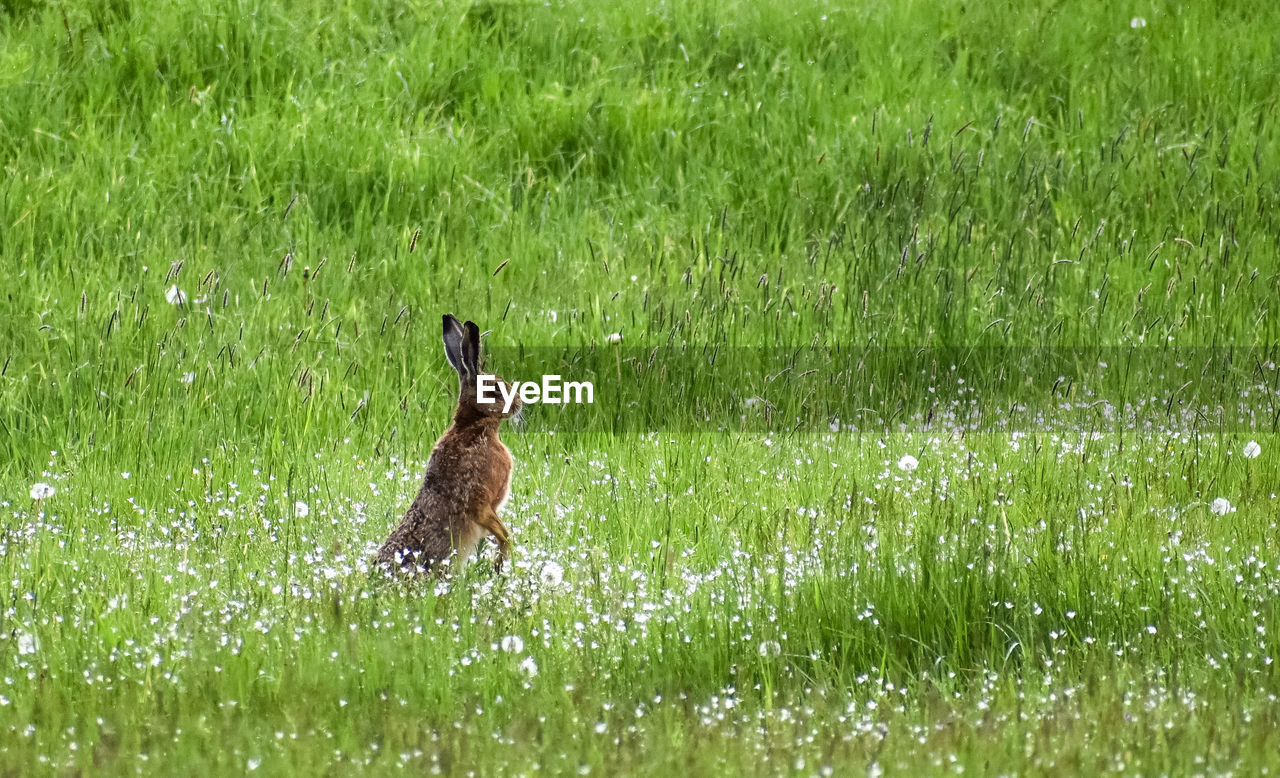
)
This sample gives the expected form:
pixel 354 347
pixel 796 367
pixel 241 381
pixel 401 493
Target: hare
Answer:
pixel 468 474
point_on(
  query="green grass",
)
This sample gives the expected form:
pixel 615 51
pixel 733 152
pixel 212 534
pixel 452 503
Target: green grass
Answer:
pixel 1031 246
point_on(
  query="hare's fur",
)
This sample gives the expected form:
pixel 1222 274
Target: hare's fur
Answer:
pixel 467 480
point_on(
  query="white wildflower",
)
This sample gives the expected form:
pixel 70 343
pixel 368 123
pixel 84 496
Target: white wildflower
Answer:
pixel 770 648
pixel 614 337
pixel 908 463
pixel 41 490
pixel 27 644
pixel 1252 449
pixel 175 296
pixel 1137 23
pixel 513 644
pixel 1221 506
pixel 301 509
pixel 529 667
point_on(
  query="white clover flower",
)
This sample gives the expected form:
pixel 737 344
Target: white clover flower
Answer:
pixel 175 296
pixel 551 575
pixel 1252 449
pixel 301 509
pixel 513 644
pixel 1221 506
pixel 908 463
pixel 529 667
pixel 27 644
pixel 770 648
pixel 41 490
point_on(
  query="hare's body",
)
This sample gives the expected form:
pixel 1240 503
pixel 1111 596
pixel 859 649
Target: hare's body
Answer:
pixel 467 480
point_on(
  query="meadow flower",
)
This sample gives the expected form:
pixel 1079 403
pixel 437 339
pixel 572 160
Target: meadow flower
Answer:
pixel 615 337
pixel 27 644
pixel 529 667
pixel 513 644
pixel 175 296
pixel 551 575
pixel 1252 449
pixel 770 648
pixel 187 378
pixel 40 490
pixel 1221 506
pixel 301 509
pixel 908 463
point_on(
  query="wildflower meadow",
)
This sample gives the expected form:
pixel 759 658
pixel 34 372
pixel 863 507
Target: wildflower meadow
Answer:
pixel 934 363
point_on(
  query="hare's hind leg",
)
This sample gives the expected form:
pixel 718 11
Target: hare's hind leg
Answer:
pixel 490 521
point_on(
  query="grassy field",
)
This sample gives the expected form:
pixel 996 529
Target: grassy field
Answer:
pixel 935 364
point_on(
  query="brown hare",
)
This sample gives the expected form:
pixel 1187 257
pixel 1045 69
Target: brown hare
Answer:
pixel 468 475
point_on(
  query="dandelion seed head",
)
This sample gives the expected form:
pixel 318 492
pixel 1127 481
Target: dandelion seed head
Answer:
pixel 551 575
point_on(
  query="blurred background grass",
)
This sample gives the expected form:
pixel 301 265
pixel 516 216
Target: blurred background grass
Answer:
pixel 320 182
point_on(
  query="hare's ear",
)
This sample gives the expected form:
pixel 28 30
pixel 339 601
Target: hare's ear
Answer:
pixel 455 344
pixel 471 354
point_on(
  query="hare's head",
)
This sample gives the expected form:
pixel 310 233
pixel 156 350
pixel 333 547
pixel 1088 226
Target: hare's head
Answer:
pixel 480 393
